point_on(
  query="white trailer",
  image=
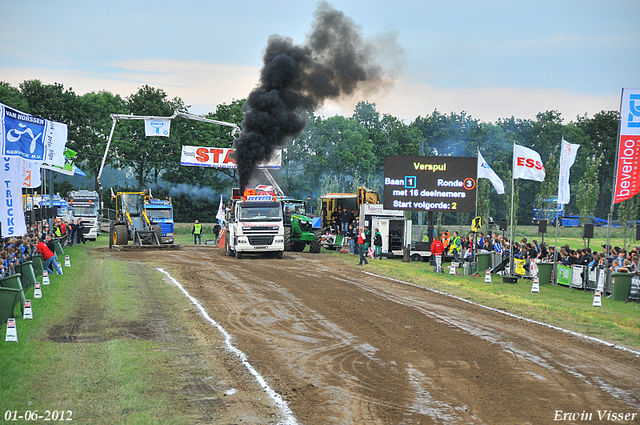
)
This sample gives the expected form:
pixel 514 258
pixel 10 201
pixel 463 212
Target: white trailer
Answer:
pixel 395 229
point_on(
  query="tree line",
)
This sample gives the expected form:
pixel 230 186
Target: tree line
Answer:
pixel 333 154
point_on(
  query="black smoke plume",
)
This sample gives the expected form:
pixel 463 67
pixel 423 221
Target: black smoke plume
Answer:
pixel 334 61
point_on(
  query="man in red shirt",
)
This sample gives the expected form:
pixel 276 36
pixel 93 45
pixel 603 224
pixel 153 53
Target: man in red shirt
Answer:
pixel 48 257
pixel 437 248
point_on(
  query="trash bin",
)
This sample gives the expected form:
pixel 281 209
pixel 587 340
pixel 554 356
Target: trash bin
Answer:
pixel 484 262
pixel 59 251
pixel 544 273
pixel 621 286
pixel 38 264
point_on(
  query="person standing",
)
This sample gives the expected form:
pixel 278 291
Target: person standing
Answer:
pixel 437 248
pixel 80 231
pixel 455 246
pixel 216 232
pixel 351 234
pixel 196 231
pixel 362 248
pixel 345 218
pixel 377 244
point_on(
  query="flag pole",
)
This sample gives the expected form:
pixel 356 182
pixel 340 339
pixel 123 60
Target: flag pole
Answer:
pixel 512 245
pixel 613 191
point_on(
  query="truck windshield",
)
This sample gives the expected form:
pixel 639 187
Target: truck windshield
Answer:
pixel 255 212
pixel 85 210
pixel 162 214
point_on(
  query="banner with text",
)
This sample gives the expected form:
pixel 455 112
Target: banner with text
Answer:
pixel 196 156
pixel 628 167
pixel 11 215
pixel 436 183
pixel 31 138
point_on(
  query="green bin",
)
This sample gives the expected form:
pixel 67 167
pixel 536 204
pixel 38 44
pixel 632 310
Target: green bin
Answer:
pixel 544 273
pixel 38 264
pixel 28 277
pixel 59 251
pixel 484 262
pixel 621 286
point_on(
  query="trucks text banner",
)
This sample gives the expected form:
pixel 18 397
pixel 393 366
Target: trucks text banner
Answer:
pixel 436 183
pixel 628 167
pixel 197 156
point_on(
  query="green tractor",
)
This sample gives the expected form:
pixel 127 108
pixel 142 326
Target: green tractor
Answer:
pixel 298 231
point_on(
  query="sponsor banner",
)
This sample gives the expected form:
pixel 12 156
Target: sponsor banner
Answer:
pixel 527 164
pixel 567 158
pixel 31 138
pixel 197 156
pixel 11 215
pixel 628 167
pixel 157 127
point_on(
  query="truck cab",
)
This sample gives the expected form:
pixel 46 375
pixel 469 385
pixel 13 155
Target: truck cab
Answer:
pixel 160 211
pixel 255 225
pixel 85 204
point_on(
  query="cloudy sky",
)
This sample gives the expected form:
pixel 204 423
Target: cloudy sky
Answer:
pixel 492 59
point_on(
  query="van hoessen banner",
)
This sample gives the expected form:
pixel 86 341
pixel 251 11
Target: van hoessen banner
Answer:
pixel 436 183
pixel 628 167
pixel 200 156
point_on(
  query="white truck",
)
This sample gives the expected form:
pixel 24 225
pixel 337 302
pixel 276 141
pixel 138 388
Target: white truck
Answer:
pixel 85 204
pixel 254 225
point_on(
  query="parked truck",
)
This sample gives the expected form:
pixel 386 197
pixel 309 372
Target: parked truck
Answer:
pixel 160 211
pixel 85 204
pixel 254 225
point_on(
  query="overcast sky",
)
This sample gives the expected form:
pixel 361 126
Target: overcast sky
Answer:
pixel 492 59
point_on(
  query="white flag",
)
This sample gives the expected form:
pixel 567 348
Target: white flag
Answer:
pixel 220 215
pixel 567 158
pixel 11 211
pixel 485 172
pixel 157 127
pixel 30 174
pixel 527 164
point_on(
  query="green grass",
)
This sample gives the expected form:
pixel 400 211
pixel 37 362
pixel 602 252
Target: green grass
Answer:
pixel 112 379
pixel 615 321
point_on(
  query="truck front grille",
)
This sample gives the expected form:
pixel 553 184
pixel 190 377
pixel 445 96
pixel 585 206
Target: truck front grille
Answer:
pixel 258 240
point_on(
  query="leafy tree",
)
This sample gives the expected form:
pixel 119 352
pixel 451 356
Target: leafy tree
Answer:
pixel 627 213
pixel 588 189
pixel 11 96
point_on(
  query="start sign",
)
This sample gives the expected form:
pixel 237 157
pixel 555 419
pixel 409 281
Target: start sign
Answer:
pixel 200 156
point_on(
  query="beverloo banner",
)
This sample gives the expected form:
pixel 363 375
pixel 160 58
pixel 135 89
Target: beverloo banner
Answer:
pixel 221 157
pixel 11 215
pixel 31 138
pixel 628 167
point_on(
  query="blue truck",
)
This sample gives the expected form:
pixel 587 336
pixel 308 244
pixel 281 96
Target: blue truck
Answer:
pixel 553 213
pixel 160 211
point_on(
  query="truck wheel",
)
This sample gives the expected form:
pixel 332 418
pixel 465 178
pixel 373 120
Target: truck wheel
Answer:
pixel 120 235
pixel 239 255
pixel 416 257
pixel 227 247
pixel 158 231
pixel 315 246
pixel 287 238
pixel 279 255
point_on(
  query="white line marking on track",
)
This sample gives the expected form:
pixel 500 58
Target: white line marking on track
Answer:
pixel 515 316
pixel 283 405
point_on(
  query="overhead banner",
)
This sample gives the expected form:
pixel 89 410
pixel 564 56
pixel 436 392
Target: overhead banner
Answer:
pixel 196 156
pixel 31 138
pixel 567 158
pixel 430 183
pixel 527 164
pixel 628 167
pixel 157 127
pixel 11 215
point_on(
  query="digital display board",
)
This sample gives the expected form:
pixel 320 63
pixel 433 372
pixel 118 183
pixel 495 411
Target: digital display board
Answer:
pixel 436 183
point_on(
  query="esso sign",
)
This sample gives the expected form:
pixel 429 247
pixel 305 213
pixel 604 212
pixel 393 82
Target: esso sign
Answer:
pixel 529 163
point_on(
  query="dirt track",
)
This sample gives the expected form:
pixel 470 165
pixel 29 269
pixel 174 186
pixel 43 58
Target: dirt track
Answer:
pixel 343 347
